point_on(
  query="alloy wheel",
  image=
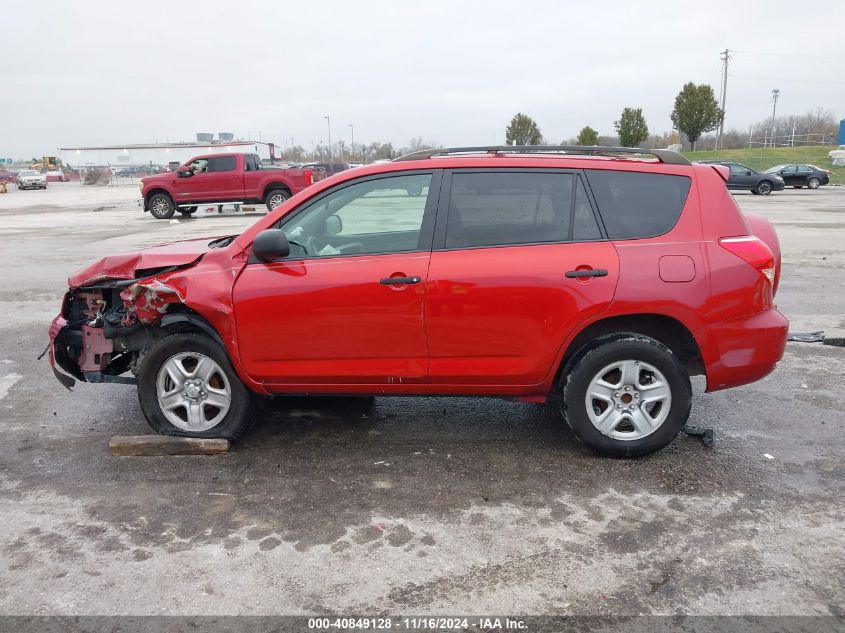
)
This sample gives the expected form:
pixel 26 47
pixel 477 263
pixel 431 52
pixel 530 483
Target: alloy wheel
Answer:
pixel 628 400
pixel 193 391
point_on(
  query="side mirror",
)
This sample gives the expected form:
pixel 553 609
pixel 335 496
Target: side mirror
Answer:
pixel 271 245
pixel 748 173
pixel 334 225
pixel 185 173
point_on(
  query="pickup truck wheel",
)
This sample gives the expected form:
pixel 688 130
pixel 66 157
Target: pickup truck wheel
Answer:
pixel 161 206
pixel 187 211
pixel 275 197
pixel 628 395
pixel 187 386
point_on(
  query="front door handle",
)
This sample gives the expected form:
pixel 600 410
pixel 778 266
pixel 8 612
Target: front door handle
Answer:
pixel 598 272
pixel 390 281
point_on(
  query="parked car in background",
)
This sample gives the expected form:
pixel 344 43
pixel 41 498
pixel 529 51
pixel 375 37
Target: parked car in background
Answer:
pixel 31 179
pixel 799 176
pixel 591 277
pixel 328 169
pixel 743 177
pixel 220 179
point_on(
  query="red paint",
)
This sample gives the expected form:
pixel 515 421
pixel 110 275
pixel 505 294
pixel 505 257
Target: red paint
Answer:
pixel 482 321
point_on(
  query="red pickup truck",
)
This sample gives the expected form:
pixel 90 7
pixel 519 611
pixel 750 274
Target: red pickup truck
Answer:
pixel 221 178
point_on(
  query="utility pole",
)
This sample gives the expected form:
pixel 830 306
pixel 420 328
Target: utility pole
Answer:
pixel 726 55
pixel 329 123
pixel 352 128
pixel 775 95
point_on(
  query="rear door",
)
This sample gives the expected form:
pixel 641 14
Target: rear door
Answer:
pixel 519 260
pixel 741 177
pixel 225 180
pixel 802 175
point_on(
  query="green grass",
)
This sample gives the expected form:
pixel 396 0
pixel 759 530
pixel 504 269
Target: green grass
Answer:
pixel 762 158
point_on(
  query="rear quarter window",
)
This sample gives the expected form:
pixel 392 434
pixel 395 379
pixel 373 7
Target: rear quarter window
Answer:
pixel 636 205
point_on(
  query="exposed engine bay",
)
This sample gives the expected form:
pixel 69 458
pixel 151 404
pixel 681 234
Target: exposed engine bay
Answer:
pixel 110 324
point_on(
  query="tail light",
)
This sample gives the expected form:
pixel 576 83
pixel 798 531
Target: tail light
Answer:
pixel 754 251
pixel 309 177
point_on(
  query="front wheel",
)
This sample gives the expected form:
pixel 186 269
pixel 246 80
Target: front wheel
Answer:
pixel 626 396
pixel 161 206
pixel 188 387
pixel 814 183
pixel 275 197
pixel 764 188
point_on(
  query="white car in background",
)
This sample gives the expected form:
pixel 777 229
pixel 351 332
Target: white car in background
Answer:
pixel 31 179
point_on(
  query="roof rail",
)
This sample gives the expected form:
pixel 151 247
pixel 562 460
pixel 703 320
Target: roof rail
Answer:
pixel 663 155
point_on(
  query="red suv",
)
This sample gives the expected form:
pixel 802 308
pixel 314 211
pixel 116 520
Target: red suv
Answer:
pixel 602 278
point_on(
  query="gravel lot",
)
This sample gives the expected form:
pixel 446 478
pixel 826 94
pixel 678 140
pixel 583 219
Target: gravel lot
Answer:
pixel 414 505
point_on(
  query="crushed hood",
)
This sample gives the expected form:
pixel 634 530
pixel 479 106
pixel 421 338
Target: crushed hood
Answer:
pixel 127 265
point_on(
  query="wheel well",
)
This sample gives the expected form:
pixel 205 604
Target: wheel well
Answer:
pixel 671 332
pixel 183 319
pixel 153 192
pixel 276 185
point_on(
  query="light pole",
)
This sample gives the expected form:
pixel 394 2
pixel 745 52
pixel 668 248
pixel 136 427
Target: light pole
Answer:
pixel 775 95
pixel 329 123
pixel 352 129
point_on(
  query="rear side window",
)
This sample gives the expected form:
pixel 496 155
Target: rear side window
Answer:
pixel 222 163
pixel 501 208
pixel 637 205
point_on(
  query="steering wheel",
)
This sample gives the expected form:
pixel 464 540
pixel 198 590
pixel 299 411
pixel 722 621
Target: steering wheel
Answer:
pixel 313 246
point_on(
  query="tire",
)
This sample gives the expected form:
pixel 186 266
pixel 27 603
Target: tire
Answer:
pixel 764 188
pixel 630 429
pixel 797 186
pixel 276 197
pixel 161 206
pixel 194 412
pixel 754 191
pixel 813 183
pixel 187 211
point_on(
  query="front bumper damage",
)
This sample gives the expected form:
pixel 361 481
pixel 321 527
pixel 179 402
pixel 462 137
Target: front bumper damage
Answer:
pixel 102 328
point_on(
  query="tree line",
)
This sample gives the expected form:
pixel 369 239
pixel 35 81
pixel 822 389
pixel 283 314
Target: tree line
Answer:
pixel 695 114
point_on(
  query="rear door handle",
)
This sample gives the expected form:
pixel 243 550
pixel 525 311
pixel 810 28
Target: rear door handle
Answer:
pixel 598 272
pixel 390 281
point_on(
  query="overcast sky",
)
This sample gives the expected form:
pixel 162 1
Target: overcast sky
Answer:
pixel 90 73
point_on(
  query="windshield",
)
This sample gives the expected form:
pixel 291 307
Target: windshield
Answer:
pixel 29 172
pixel 775 169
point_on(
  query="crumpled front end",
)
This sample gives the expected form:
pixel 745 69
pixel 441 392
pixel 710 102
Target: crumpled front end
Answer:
pixel 116 310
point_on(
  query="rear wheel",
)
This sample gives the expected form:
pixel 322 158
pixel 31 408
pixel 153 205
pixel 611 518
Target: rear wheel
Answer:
pixel 187 386
pixel 161 206
pixel 814 183
pixel 764 188
pixel 275 197
pixel 627 395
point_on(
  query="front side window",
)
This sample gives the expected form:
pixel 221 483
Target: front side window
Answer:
pixel 502 208
pixel 636 205
pixel 199 165
pixel 384 215
pixel 738 170
pixel 222 163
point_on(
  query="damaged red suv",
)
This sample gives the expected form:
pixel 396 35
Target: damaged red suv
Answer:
pixel 602 278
